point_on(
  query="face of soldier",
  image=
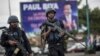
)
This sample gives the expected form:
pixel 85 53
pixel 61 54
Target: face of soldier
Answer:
pixel 67 10
pixel 51 15
pixel 14 24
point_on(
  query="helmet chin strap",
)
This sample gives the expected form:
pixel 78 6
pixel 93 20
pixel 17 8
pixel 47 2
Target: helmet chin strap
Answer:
pixel 51 20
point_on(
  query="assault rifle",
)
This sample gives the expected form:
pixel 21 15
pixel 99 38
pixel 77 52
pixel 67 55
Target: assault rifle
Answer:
pixel 19 45
pixel 61 30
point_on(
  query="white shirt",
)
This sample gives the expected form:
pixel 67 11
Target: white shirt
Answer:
pixel 70 22
pixel 69 18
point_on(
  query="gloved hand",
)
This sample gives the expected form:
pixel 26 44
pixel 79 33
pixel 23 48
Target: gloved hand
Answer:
pixel 61 34
pixel 12 42
pixel 31 54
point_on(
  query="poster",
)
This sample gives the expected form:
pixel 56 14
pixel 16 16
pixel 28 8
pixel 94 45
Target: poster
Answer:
pixel 33 15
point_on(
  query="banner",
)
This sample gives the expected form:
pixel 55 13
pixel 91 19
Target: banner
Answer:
pixel 33 15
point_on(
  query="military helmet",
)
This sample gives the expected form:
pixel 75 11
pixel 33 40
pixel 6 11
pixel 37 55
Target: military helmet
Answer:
pixel 12 19
pixel 49 10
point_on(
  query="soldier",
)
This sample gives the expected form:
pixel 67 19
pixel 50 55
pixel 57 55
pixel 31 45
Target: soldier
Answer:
pixel 53 37
pixel 14 39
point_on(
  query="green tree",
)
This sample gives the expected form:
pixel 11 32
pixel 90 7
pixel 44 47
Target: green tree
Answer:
pixel 95 20
pixel 82 15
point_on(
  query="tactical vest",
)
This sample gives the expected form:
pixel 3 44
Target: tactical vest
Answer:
pixel 53 36
pixel 14 35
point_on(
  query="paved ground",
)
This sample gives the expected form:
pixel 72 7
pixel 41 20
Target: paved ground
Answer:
pixel 68 54
pixel 83 54
pixel 73 54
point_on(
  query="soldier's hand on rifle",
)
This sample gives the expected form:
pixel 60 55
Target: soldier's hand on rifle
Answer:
pixel 12 42
pixel 31 54
pixel 61 34
pixel 46 33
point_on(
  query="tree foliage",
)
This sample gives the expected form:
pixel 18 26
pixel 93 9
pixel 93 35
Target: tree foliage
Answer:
pixel 94 18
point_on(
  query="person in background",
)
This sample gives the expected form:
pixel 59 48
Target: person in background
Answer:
pixel 69 20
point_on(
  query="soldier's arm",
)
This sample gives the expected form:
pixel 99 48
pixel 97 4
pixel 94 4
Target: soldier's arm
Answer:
pixel 26 43
pixel 44 30
pixel 45 33
pixel 4 40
